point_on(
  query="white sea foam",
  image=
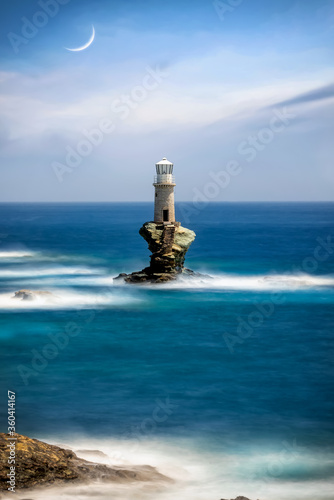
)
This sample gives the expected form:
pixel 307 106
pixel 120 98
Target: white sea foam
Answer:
pixel 65 299
pixel 16 254
pixel 45 278
pixel 200 474
pixel 287 282
pixel 25 256
pixel 93 280
pixel 49 271
pixel 228 282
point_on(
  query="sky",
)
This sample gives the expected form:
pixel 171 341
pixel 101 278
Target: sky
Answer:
pixel 238 94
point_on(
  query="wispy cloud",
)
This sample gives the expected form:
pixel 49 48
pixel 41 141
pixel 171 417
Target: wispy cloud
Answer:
pixel 222 84
pixel 320 94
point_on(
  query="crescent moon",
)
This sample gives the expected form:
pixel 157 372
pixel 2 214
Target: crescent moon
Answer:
pixel 90 41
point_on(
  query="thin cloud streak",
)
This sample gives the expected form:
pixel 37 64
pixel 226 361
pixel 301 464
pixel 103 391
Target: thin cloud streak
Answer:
pixel 316 95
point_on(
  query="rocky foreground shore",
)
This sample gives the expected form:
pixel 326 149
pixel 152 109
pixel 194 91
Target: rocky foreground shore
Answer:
pixel 42 464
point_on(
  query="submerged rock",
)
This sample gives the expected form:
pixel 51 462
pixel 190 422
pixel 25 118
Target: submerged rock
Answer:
pixel 169 244
pixel 33 295
pixel 42 464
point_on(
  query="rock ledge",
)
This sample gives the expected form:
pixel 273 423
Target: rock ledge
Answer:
pixel 169 243
pixel 42 464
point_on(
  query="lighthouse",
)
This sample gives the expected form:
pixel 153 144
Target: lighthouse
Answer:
pixel 164 183
pixel 167 240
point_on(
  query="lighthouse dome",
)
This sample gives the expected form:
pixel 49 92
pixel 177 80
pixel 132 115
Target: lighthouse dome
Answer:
pixel 164 167
pixel 164 161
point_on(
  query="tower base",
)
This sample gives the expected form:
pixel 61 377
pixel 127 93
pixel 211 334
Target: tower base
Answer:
pixel 169 244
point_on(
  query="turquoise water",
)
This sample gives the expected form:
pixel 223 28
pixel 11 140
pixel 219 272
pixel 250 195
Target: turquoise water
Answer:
pixel 231 375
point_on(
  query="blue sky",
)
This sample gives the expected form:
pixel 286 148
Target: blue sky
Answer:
pixel 207 84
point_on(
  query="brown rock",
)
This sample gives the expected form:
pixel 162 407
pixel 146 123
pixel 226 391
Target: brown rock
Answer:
pixel 42 464
pixel 169 244
pixel 33 295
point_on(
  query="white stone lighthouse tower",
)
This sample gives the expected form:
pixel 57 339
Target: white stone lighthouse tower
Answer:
pixel 164 183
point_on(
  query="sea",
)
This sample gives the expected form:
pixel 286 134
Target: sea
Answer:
pixel 222 381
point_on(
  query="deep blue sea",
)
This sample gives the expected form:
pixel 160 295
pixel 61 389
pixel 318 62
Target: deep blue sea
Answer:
pixel 224 382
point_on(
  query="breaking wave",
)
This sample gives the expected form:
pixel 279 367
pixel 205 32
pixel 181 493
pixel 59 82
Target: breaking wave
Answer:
pixel 8 256
pixel 61 299
pixel 201 474
pixel 16 254
pixel 285 282
pixel 50 271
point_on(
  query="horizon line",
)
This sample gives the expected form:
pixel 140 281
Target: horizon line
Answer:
pixel 176 202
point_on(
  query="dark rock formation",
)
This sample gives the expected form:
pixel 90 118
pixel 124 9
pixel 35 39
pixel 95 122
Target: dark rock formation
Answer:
pixel 238 498
pixel 169 244
pixel 42 464
pixel 33 295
